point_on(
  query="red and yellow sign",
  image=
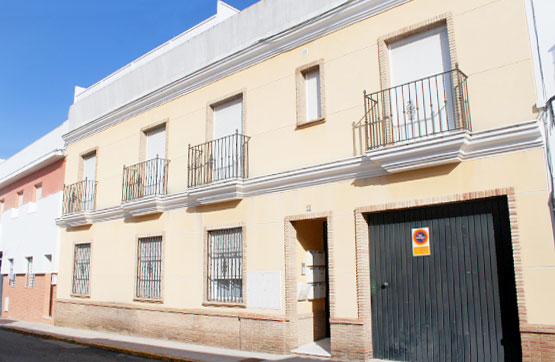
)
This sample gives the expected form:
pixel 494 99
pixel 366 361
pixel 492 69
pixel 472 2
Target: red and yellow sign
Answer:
pixel 421 241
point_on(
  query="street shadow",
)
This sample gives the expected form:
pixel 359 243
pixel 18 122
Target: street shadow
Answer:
pixel 407 176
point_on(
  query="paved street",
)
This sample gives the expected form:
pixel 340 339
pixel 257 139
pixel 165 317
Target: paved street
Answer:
pixel 16 347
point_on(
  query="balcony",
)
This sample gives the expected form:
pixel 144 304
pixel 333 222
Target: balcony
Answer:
pixel 426 107
pixel 145 179
pixel 425 119
pixel 79 197
pixel 219 160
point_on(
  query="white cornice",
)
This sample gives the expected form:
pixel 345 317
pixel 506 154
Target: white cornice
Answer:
pixel 319 26
pixel 457 146
pixel 449 148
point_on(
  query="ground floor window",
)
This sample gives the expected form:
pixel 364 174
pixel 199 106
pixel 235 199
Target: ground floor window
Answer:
pixel 81 269
pixel 11 275
pixel 149 268
pixel 225 266
pixel 30 276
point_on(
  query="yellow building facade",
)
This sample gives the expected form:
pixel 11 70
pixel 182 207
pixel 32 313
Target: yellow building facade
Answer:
pixel 261 200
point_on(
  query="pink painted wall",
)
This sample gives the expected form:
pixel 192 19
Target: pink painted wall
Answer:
pixel 51 177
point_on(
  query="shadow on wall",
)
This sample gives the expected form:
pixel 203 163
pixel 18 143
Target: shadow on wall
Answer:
pixel 214 207
pixel 406 176
pixel 78 228
pixel 138 219
pixel 360 138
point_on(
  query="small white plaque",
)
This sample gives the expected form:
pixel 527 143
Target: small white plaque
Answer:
pixel 264 290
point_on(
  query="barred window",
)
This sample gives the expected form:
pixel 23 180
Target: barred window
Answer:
pixel 11 275
pixel 149 268
pixel 81 269
pixel 30 276
pixel 225 266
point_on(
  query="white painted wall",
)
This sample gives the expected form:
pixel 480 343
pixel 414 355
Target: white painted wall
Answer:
pixel 541 25
pixel 228 34
pixel 33 232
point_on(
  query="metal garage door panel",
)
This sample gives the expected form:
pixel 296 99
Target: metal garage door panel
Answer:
pixel 446 306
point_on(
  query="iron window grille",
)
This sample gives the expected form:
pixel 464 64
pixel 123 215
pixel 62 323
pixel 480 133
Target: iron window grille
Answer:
pixel 149 268
pixel 30 283
pixel 81 269
pixel 225 266
pixel 11 275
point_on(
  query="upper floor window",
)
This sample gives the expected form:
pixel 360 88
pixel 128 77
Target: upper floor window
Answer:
pixel 19 199
pixel 228 117
pixel 38 192
pixel 155 143
pixel 310 100
pixel 88 167
pixel 312 95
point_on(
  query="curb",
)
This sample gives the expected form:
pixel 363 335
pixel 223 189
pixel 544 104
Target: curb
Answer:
pixel 107 347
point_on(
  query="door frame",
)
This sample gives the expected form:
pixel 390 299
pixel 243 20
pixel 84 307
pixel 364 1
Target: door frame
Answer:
pixel 363 254
pixel 291 272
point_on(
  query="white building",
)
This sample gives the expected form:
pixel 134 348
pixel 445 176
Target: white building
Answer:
pixel 31 191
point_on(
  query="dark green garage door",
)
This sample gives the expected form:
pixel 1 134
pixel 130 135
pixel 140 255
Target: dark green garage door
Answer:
pixel 458 303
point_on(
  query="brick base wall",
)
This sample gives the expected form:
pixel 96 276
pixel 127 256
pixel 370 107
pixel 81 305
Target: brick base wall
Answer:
pixel 237 332
pixel 311 327
pixel 350 341
pixel 538 343
pixel 28 304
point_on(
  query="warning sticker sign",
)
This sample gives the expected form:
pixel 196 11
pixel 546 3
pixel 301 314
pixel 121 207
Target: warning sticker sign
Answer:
pixel 421 241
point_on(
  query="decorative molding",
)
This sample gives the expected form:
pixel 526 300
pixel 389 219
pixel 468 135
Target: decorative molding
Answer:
pixel 421 153
pixel 456 147
pixel 319 26
pixel 143 206
pixel 75 219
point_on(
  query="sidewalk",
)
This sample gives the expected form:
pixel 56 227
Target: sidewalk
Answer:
pixel 144 347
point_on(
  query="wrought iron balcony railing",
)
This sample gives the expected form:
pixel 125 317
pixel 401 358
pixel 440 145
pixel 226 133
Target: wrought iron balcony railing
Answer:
pixel 147 178
pixel 421 108
pixel 221 159
pixel 80 196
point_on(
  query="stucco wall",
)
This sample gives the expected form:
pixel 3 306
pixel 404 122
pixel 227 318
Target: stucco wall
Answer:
pixel 114 243
pixel 496 57
pixel 31 231
pixel 492 49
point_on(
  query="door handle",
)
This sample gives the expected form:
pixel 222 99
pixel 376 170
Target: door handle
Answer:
pixel 385 285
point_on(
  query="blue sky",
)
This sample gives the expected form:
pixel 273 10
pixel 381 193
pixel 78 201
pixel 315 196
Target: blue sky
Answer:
pixel 48 47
